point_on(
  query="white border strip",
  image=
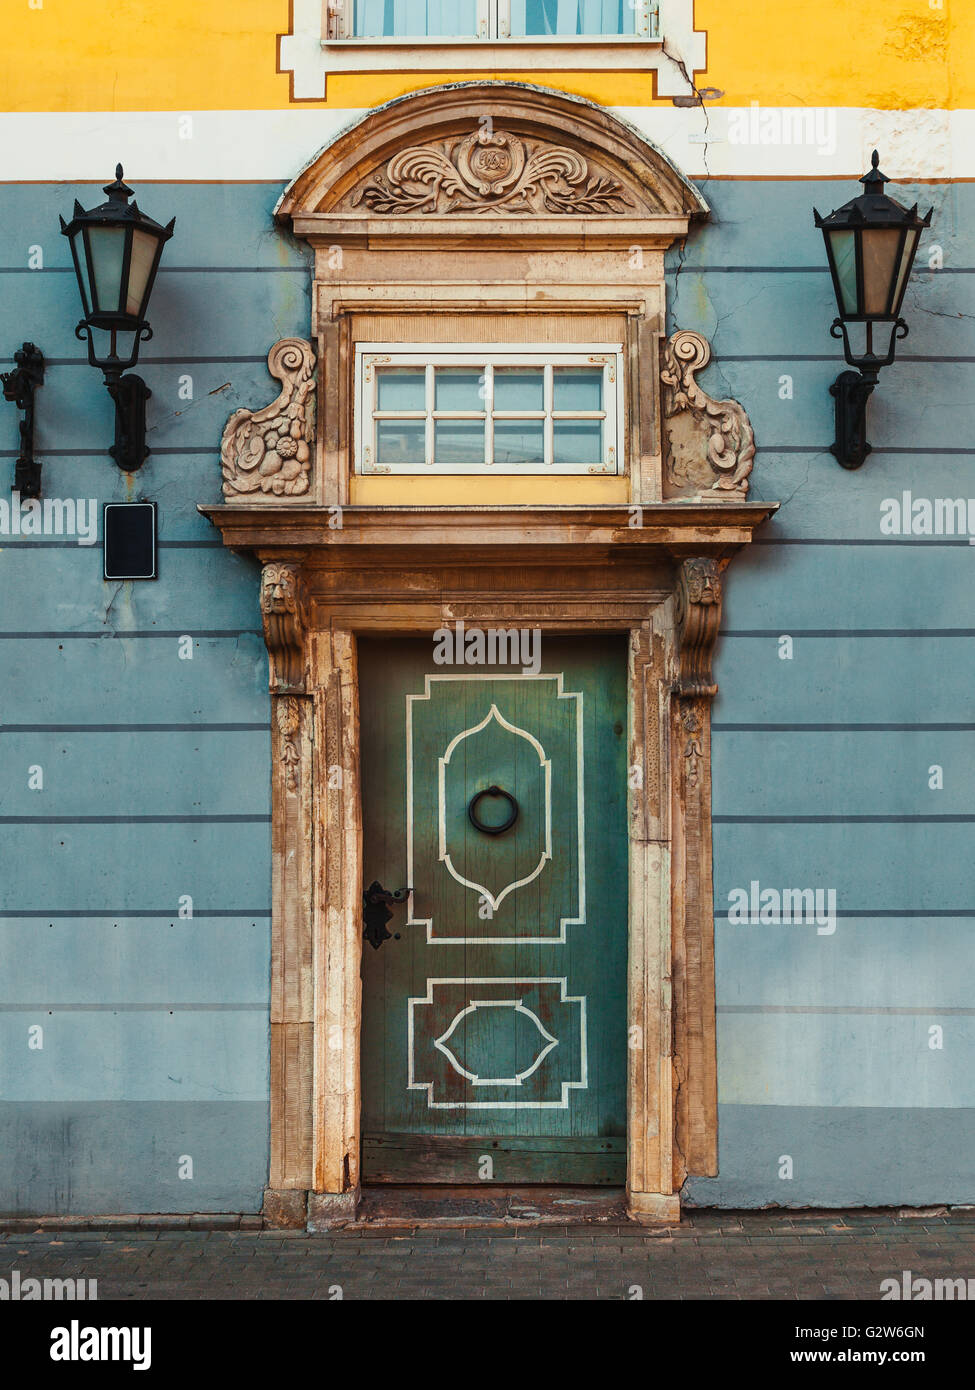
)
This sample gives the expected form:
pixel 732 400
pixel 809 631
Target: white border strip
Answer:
pixel 273 146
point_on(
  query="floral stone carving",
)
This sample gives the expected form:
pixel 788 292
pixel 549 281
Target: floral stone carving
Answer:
pixel 269 450
pixel 708 445
pixel 289 727
pixel 492 171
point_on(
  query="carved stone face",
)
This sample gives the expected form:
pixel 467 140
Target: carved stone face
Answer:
pixel 702 581
pixel 279 590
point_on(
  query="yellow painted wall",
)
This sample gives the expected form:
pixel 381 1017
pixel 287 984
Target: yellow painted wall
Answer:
pixel 148 55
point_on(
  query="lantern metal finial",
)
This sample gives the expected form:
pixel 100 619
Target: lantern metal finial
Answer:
pixel 873 175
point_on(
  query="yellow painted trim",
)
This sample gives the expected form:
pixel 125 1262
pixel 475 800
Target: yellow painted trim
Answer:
pixel 172 55
pixel 570 491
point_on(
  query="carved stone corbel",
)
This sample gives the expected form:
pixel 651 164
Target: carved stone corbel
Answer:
pixel 698 618
pixel 708 445
pixel 282 611
pixel 270 450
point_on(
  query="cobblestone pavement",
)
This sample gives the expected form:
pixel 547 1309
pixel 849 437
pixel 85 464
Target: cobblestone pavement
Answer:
pixel 729 1255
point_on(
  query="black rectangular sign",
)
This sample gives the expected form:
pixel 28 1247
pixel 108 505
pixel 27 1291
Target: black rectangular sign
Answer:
pixel 129 540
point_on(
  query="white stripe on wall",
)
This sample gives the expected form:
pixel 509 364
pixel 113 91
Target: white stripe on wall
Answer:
pixel 741 142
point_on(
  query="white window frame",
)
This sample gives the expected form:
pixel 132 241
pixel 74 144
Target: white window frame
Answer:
pixel 369 356
pixel 493 26
pixel 317 47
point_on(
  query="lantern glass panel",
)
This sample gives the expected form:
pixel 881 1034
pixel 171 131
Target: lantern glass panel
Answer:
pixel 907 259
pixel 843 246
pixel 140 267
pixel 78 249
pixel 880 246
pixel 107 255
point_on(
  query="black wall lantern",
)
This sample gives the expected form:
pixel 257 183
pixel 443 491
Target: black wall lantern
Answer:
pixel 870 244
pixel 116 251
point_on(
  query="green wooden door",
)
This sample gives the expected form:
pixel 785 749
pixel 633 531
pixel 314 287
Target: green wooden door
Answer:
pixel 494 1028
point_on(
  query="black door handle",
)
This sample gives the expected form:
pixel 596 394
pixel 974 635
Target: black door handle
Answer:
pixel 376 902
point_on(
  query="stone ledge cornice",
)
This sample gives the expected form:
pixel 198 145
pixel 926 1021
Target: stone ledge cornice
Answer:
pixel 503 234
pixel 680 529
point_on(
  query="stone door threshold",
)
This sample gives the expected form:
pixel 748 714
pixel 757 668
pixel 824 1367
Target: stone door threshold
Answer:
pixel 428 1205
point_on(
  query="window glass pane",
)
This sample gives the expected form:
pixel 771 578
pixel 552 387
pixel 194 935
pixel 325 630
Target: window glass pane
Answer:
pixel 457 388
pixel 519 441
pixel 577 388
pixel 578 441
pixel 459 442
pixel 572 17
pixel 400 441
pixel 415 18
pixel 516 388
pixel 400 388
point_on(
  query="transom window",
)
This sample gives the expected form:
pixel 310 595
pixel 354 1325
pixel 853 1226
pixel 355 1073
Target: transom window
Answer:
pixel 522 410
pixel 492 19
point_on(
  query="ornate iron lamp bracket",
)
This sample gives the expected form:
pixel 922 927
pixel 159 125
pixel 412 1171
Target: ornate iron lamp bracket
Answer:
pixel 19 386
pixel 852 390
pixel 130 394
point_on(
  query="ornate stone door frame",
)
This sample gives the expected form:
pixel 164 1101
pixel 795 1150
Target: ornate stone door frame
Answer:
pixel 410 575
pixel 566 214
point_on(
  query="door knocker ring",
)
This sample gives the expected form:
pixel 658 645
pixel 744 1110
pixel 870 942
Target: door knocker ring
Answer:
pixel 492 829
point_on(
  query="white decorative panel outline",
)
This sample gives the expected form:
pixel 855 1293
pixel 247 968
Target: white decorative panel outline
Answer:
pixel 520 1076
pixel 580 916
pixel 495 901
pixel 440 1044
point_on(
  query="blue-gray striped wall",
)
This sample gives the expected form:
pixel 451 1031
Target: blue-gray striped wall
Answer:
pixel 832 1088
pixel 156 771
pixel 156 768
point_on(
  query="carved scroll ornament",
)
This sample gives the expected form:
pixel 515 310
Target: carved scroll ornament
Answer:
pixel 710 444
pixel 269 450
pixel 492 171
pixel 698 619
pixel 282 610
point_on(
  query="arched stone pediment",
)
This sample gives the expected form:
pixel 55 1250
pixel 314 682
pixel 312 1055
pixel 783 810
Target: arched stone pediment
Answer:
pixel 486 151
